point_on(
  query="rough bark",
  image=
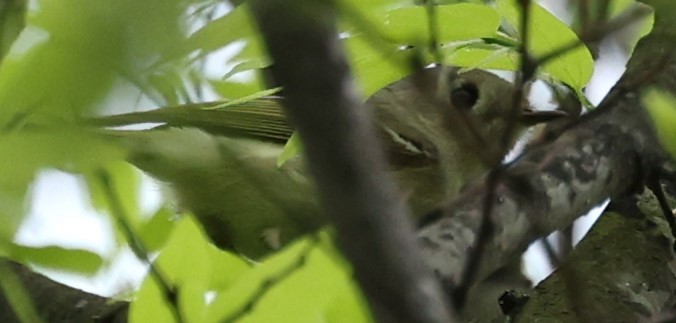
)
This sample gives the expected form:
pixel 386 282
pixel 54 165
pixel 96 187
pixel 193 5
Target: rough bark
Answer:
pixel 605 155
pixel 622 271
pixel 56 302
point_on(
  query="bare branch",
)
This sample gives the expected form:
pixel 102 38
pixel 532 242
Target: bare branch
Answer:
pixel 357 194
pixel 606 154
pixel 619 272
pixel 55 302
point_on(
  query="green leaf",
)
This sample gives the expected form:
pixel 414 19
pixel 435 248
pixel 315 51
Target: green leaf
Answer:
pixel 454 23
pixel 302 283
pixel 156 231
pixel 617 7
pixel 55 257
pixel 235 26
pixel 662 108
pixel 348 306
pixel 125 182
pixel 69 149
pixel 186 246
pixel 377 56
pixel 375 68
pixel 293 147
pixel 168 84
pixel 12 22
pixel 486 57
pixel 72 53
pixel 228 89
pixel 249 65
pixel 226 268
pixel 25 153
pixel 150 305
pixel 194 267
pixel 13 200
pixel 185 264
pixel 234 29
pixel 547 34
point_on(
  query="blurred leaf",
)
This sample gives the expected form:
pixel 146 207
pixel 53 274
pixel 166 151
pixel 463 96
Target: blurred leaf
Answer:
pixel 377 55
pixel 616 7
pixel 126 183
pixel 253 64
pixel 14 293
pixel 149 305
pixel 226 269
pixel 230 90
pixel 195 267
pixel 348 306
pixel 485 58
pixel 156 231
pixel 168 84
pixel 261 97
pixel 55 257
pixel 186 245
pixel 186 263
pixel 71 149
pixel 235 26
pixel 547 33
pixel 293 148
pixel 67 60
pixel 662 108
pixel 355 14
pixel 14 198
pixel 454 23
pixel 72 51
pixel 12 22
pixel 25 153
pixel 375 68
pixel 300 284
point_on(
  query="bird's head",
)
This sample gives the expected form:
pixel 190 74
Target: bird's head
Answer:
pixel 455 119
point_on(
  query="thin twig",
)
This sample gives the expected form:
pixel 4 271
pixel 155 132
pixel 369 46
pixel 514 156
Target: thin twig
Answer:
pixel 485 232
pixel 552 255
pixel 270 282
pixel 654 185
pixel 433 28
pixel 486 229
pixel 136 245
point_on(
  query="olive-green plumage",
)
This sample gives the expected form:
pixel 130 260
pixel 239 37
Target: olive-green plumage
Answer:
pixel 440 130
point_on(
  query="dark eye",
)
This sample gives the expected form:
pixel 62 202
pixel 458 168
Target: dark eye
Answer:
pixel 465 96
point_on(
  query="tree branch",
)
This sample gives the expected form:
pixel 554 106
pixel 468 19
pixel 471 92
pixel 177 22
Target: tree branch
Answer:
pixel 357 193
pixel 605 155
pixel 619 272
pixel 55 302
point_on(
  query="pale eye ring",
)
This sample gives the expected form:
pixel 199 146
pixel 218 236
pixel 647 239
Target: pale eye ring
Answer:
pixel 465 96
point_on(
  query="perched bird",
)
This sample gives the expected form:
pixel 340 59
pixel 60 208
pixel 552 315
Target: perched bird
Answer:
pixel 440 129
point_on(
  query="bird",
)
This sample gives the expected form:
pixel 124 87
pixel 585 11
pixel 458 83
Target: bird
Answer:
pixel 440 128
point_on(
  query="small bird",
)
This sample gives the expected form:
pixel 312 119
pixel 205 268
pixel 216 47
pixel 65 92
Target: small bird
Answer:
pixel 439 128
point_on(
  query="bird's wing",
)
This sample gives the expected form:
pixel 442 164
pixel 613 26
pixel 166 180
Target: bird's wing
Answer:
pixel 260 119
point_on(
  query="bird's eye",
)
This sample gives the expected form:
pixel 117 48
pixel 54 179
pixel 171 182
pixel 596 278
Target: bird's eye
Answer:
pixel 465 96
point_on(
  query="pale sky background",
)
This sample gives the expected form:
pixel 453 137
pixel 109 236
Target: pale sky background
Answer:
pixel 61 214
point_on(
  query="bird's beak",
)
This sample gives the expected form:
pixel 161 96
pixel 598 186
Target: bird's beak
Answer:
pixel 530 117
